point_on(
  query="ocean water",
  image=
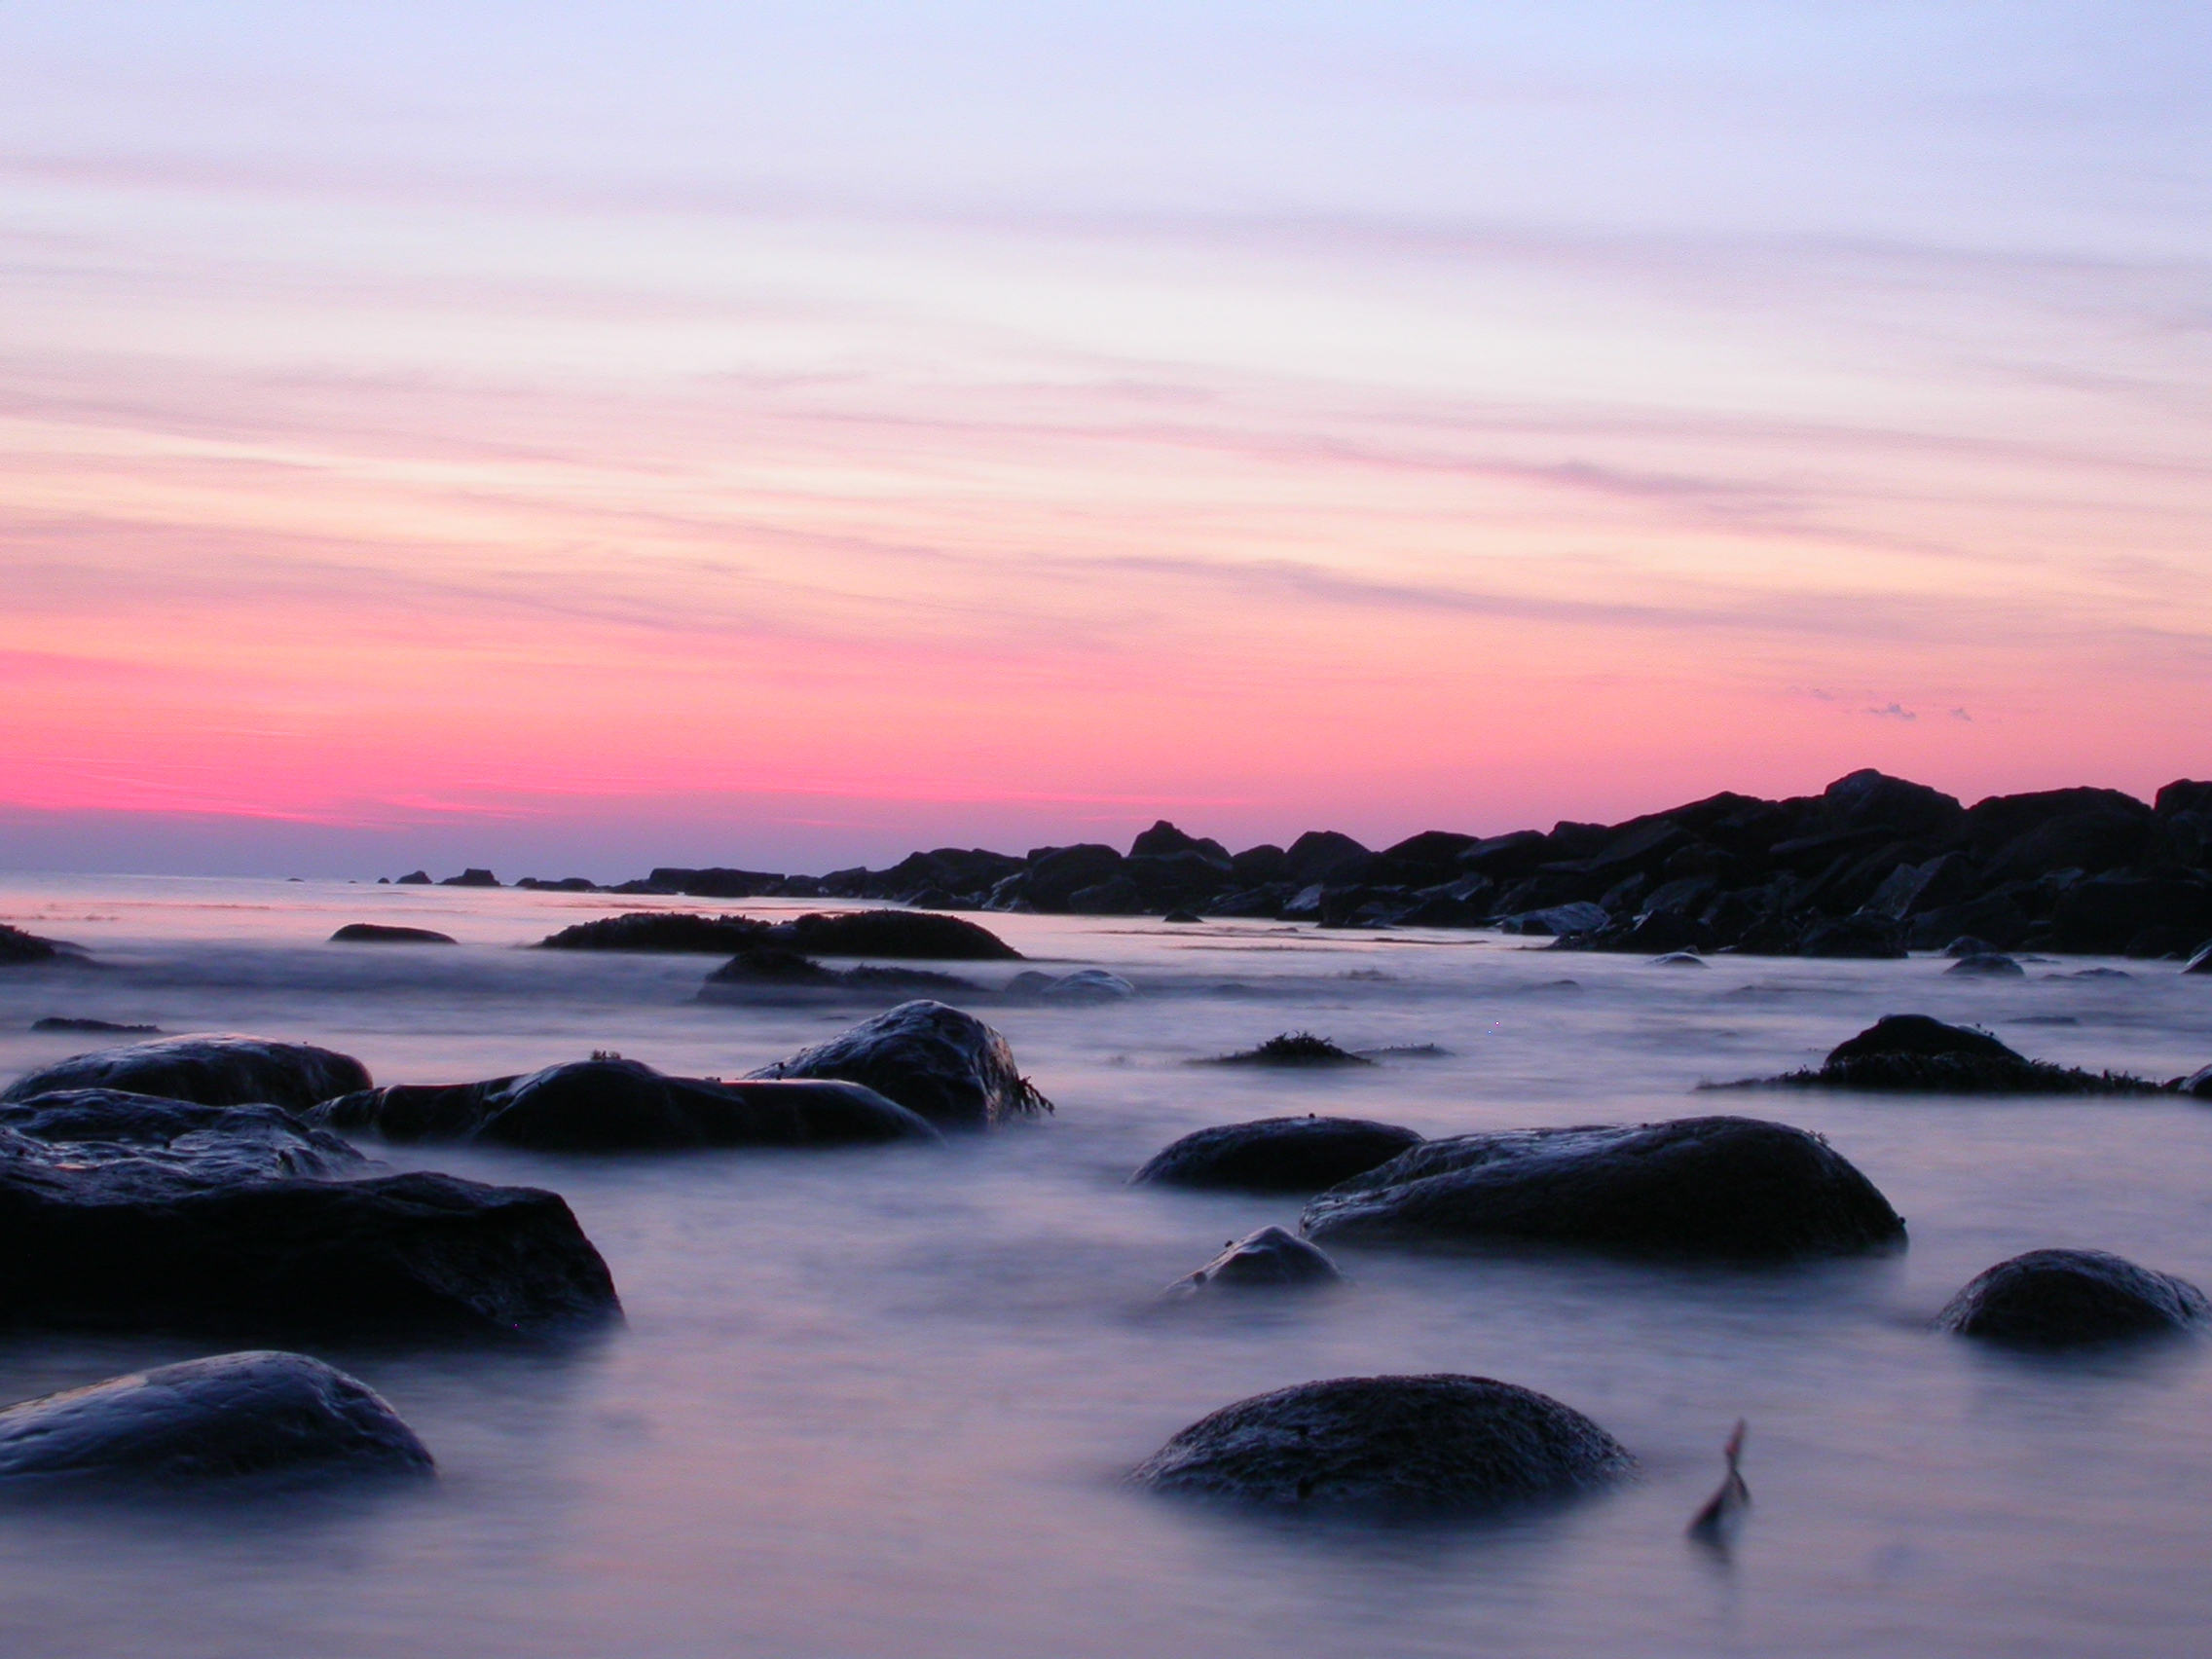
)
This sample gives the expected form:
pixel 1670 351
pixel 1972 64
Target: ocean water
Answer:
pixel 878 1402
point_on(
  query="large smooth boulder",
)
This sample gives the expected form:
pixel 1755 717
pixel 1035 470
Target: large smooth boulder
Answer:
pixel 911 935
pixel 1388 1443
pixel 946 1065
pixel 670 930
pixel 1910 1053
pixel 251 1416
pixel 2058 1298
pixel 217 1144
pixel 623 1105
pixel 1724 1187
pixel 1276 1155
pixel 381 933
pixel 1270 1258
pixel 104 1233
pixel 213 1070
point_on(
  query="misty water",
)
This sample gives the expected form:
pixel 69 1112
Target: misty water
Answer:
pixel 878 1401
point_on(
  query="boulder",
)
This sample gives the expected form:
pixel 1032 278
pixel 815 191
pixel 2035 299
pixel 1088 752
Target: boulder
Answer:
pixel 1292 1048
pixel 1918 1035
pixel 106 1233
pixel 1084 985
pixel 2106 914
pixel 414 878
pixel 214 1070
pixel 1267 1259
pixel 215 1144
pixel 1726 1187
pixel 1165 840
pixel 616 1105
pixel 1861 937
pixel 1987 965
pixel 935 1060
pixel 716 882
pixel 2059 1298
pixel 377 933
pixel 907 935
pixel 1995 917
pixel 1324 856
pixel 1910 1053
pixel 1870 798
pixel 1276 1155
pixel 258 1416
pixel 1388 1443
pixel 670 930
pixel 1581 916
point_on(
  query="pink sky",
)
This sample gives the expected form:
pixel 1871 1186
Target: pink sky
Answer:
pixel 366 503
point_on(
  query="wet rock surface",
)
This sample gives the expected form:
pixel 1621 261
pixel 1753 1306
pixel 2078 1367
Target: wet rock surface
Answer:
pixel 1084 985
pixel 232 1416
pixel 610 1105
pixel 910 934
pixel 1910 1053
pixel 378 933
pixel 667 931
pixel 1276 1155
pixel 774 967
pixel 1270 1258
pixel 933 1059
pixel 205 1145
pixel 108 1027
pixel 1720 1187
pixel 1389 1444
pixel 214 1070
pixel 2063 1298
pixel 205 1231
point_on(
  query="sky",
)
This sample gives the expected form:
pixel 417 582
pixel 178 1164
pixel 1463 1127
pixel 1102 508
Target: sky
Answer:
pixel 571 438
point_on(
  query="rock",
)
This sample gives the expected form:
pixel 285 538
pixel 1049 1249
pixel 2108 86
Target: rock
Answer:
pixel 212 1144
pixel 2058 1298
pixel 1276 1155
pixel 1864 937
pixel 2107 913
pixel 1910 1053
pixel 414 878
pixel 1163 840
pixel 1389 1443
pixel 2201 961
pixel 1581 916
pixel 1871 798
pixel 716 882
pixel 1996 918
pixel 471 879
pixel 55 1022
pixel 377 933
pixel 1179 914
pixel 563 884
pixel 624 1105
pixel 234 1416
pixel 946 1065
pixel 2197 1084
pixel 1966 945
pixel 1324 856
pixel 192 1234
pixel 1680 959
pixel 1917 1034
pixel 1728 1186
pixel 17 945
pixel 215 1070
pixel 774 967
pixel 1265 1259
pixel 1291 1048
pixel 1084 985
pixel 1987 965
pixel 670 930
pixel 899 933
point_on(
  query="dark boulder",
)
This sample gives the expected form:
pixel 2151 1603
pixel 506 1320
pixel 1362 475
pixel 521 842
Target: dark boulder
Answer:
pixel 251 1416
pixel 1325 856
pixel 17 945
pixel 1276 1155
pixel 1910 1053
pixel 213 1144
pixel 2058 1298
pixel 1055 874
pixel 2201 961
pixel 909 934
pixel 1509 857
pixel 1917 1034
pixel 935 1060
pixel 1861 937
pixel 1987 965
pixel 716 882
pixel 57 1022
pixel 2197 1084
pixel 217 1070
pixel 471 879
pixel 414 878
pixel 1388 1443
pixel 1995 917
pixel 1291 1048
pixel 1084 985
pixel 2106 913
pixel 1868 798
pixel 773 968
pixel 2027 835
pixel 1581 916
pixel 1726 1186
pixel 671 931
pixel 1163 840
pixel 1267 1259
pixel 378 932
pixel 624 1105
pixel 106 1233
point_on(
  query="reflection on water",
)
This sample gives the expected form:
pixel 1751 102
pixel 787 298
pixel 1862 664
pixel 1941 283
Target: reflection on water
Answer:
pixel 877 1401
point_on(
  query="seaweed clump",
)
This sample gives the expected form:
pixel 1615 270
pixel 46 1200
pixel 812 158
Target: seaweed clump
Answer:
pixel 1910 1053
pixel 1293 1048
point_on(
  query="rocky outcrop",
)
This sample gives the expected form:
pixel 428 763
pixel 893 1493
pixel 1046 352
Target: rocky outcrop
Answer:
pixel 2062 1298
pixel 1721 1187
pixel 1910 1053
pixel 213 1070
pixel 471 879
pixel 617 1105
pixel 17 945
pixel 106 1027
pixel 2200 963
pixel 378 933
pixel 901 934
pixel 236 1416
pixel 1276 1155
pixel 773 968
pixel 1267 1259
pixel 209 1145
pixel 935 1060
pixel 201 1232
pixel 673 931
pixel 1389 1444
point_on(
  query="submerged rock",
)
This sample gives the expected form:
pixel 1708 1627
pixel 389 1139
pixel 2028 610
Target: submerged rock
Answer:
pixel 623 1105
pixel 1084 985
pixel 1389 1443
pixel 1276 1155
pixel 1270 1257
pixel 2056 1297
pixel 1910 1053
pixel 234 1416
pixel 1987 965
pixel 946 1065
pixel 215 1070
pixel 675 931
pixel 910 934
pixel 378 932
pixel 200 1231
pixel 1292 1048
pixel 210 1144
pixel 1728 1186
pixel 773 966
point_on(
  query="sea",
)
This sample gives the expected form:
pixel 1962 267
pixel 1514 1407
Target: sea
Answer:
pixel 880 1402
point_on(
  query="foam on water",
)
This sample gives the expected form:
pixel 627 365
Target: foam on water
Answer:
pixel 876 1402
